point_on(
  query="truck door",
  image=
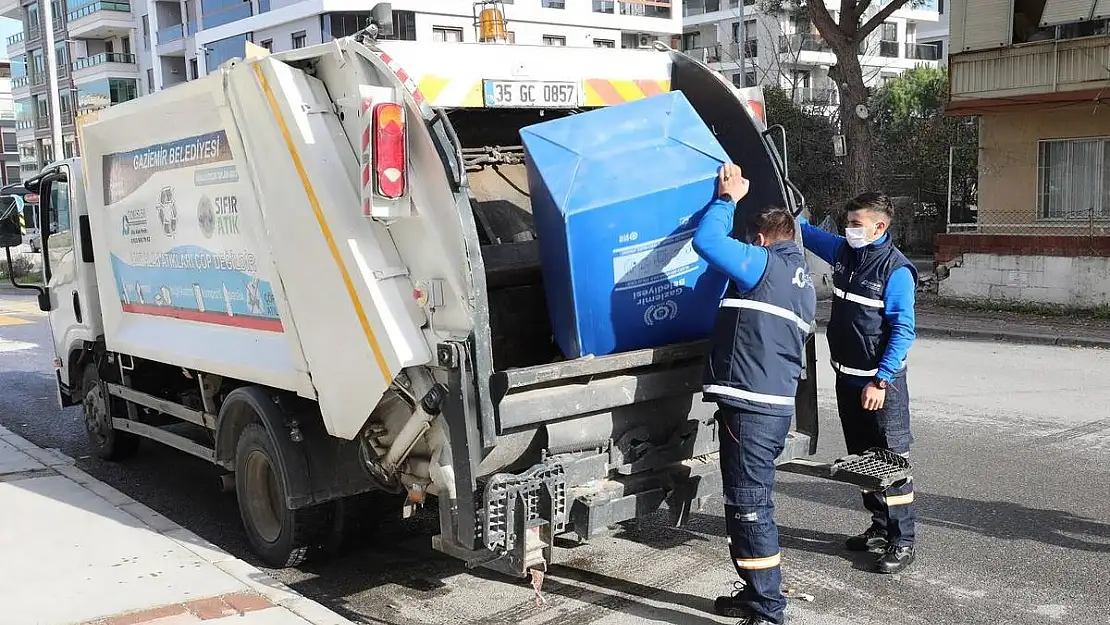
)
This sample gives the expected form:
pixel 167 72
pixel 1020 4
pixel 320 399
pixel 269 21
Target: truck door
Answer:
pixel 67 269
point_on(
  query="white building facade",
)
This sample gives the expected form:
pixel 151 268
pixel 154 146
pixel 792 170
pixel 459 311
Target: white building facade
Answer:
pixel 752 47
pixel 111 51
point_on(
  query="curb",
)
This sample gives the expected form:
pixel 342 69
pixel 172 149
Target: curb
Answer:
pixel 1019 338
pixel 253 578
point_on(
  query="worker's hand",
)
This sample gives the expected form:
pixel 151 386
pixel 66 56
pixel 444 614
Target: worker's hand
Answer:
pixel 873 397
pixel 731 181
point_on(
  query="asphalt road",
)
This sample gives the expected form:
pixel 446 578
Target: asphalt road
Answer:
pixel 1011 473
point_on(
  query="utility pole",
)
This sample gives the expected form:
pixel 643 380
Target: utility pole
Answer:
pixel 52 77
pixel 741 44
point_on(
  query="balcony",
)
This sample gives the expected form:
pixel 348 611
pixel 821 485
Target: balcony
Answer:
pixel 101 20
pixel 20 82
pixel 11 9
pixel 171 40
pixel 105 65
pixel 805 49
pixel 923 51
pixel 888 49
pixel 16 45
pixel 1059 71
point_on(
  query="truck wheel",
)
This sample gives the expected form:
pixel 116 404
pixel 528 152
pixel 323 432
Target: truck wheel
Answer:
pixel 107 442
pixel 281 536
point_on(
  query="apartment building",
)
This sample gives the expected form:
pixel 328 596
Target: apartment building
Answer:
pixel 9 154
pixel 111 51
pixel 1035 74
pixel 753 47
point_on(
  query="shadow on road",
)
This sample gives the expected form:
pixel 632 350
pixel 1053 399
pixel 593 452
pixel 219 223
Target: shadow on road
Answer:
pixel 1003 520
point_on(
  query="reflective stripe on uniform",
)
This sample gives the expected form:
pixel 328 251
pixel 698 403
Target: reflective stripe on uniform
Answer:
pixel 727 391
pixel 859 299
pixel 755 564
pixel 778 311
pixel 863 373
pixel 899 500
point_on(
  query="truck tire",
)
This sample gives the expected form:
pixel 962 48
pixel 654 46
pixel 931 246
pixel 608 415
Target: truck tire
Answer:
pixel 281 536
pixel 107 442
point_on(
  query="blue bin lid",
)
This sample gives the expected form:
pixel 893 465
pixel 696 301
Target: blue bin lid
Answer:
pixel 610 155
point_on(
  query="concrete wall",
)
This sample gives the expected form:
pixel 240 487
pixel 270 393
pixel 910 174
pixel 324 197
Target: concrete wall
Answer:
pixel 1079 281
pixel 1008 165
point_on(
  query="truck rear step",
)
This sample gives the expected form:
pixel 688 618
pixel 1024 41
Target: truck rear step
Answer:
pixel 874 469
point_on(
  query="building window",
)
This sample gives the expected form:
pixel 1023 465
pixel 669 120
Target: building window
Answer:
pixel 150 81
pixel 31 21
pixel 299 39
pixel 219 12
pixel 1073 179
pixel 747 79
pixel 553 4
pixel 344 24
pixel 604 43
pixel 10 145
pixel 194 69
pixel 554 40
pixel 12 173
pixel 442 34
pixel 404 26
pixel 268 44
pixel 690 41
pixel 888 40
pixel 146 32
pixel 604 6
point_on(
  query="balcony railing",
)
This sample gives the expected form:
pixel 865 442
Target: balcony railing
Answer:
pixel 33 34
pixel 171 33
pixel 38 79
pixel 825 96
pixel 24 124
pixel 19 81
pixel 802 43
pixel 1075 65
pixel 923 51
pixel 102 58
pixel 14 39
pixel 86 10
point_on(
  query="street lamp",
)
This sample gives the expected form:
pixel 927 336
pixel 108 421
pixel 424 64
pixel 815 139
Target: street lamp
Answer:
pixel 52 78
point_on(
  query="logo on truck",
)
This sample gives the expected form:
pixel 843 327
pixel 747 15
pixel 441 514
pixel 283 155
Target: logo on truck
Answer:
pixel 167 211
pixel 219 217
pixel 133 226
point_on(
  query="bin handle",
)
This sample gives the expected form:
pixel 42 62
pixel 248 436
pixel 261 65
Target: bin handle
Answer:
pixel 783 158
pixel 782 163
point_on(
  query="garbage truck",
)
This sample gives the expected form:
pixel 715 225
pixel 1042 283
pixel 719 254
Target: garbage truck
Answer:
pixel 317 270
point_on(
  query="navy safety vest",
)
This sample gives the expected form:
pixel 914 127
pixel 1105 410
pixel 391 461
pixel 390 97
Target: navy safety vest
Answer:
pixel 759 337
pixel 858 332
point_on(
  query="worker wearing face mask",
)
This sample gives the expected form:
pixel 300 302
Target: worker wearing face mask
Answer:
pixel 870 332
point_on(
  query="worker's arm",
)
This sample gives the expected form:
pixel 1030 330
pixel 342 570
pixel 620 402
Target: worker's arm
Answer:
pixel 744 264
pixel 825 245
pixel 898 310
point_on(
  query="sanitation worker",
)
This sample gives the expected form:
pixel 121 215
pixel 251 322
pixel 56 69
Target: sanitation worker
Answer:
pixel 754 365
pixel 870 332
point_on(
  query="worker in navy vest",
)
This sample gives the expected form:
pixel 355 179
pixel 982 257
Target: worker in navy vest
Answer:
pixel 755 361
pixel 870 332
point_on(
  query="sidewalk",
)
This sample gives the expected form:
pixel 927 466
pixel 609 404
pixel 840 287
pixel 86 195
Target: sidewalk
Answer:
pixel 76 551
pixel 936 320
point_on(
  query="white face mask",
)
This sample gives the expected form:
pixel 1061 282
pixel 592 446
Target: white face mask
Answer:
pixel 857 237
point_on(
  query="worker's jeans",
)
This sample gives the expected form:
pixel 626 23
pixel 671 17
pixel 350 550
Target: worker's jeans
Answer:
pixel 888 427
pixel 750 442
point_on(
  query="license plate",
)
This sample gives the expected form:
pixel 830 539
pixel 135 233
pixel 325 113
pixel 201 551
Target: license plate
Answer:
pixel 530 94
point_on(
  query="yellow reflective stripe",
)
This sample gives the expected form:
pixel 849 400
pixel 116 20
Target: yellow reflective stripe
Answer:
pixel 473 97
pixel 628 89
pixel 755 564
pixel 899 500
pixel 314 202
pixel 431 87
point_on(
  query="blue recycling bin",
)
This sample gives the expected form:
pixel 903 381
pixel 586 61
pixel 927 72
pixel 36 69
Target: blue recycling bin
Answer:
pixel 615 194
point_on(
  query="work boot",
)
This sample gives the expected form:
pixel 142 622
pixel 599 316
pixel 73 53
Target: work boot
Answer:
pixel 873 540
pixel 730 605
pixel 896 559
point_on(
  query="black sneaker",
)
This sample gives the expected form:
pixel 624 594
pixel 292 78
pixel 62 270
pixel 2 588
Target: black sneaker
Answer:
pixel 730 605
pixel 757 620
pixel 896 559
pixel 873 540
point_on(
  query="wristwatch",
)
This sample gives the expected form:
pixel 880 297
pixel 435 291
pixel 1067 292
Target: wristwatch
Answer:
pixel 880 384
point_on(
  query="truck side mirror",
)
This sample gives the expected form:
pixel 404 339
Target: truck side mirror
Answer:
pixel 11 234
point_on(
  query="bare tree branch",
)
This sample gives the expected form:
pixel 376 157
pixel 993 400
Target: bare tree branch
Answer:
pixel 880 17
pixel 861 9
pixel 829 29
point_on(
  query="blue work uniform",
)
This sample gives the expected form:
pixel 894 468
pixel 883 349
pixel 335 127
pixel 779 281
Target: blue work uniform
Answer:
pixel 756 358
pixel 870 332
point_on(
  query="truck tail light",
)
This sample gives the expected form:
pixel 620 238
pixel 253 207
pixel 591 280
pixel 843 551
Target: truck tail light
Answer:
pixel 389 150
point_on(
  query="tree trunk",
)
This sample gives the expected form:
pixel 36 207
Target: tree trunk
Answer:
pixel 858 163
